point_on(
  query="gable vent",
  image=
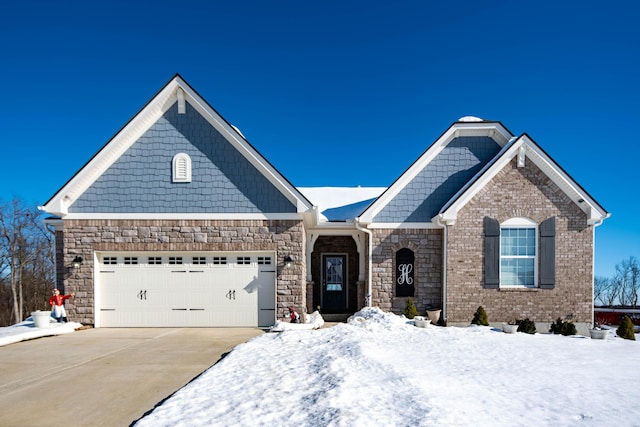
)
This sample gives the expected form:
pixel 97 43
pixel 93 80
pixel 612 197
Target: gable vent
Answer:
pixel 181 168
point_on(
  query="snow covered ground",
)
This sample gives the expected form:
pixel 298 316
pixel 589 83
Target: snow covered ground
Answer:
pixel 26 330
pixel 380 370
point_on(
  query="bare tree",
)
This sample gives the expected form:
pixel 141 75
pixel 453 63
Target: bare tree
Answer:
pixel 601 290
pixel 26 258
pixel 627 278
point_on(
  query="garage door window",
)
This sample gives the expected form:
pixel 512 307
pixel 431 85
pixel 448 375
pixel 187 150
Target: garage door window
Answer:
pixel 131 260
pixel 199 260
pixel 110 260
pixel 243 260
pixel 264 260
pixel 175 260
pixel 219 260
pixel 155 260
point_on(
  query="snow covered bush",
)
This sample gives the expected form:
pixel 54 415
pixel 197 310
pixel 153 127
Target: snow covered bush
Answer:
pixel 625 330
pixel 480 317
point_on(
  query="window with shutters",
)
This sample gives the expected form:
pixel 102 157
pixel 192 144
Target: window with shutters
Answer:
pixel 181 168
pixel 518 253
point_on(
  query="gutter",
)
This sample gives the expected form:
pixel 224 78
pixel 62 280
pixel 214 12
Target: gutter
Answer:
pixel 369 233
pixel 441 223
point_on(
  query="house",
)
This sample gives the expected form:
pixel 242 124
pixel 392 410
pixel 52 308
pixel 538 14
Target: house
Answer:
pixel 179 221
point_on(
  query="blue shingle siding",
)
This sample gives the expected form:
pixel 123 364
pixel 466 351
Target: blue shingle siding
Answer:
pixel 448 172
pixel 223 181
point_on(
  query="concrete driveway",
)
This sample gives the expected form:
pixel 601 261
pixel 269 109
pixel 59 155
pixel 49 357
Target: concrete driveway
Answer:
pixel 104 377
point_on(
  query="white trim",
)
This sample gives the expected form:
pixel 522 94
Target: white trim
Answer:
pixel 402 225
pixel 189 216
pixel 522 154
pixel 56 223
pixel 594 212
pixel 182 107
pixel 588 205
pixel 521 223
pixel 493 130
pixel 116 147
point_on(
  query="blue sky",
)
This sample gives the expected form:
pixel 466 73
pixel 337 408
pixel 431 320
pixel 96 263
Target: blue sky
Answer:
pixel 332 93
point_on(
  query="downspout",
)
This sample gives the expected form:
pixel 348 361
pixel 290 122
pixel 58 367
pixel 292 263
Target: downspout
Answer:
pixel 440 223
pixel 369 260
pixel 593 266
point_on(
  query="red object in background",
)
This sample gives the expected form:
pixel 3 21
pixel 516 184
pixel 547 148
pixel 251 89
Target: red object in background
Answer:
pixel 613 316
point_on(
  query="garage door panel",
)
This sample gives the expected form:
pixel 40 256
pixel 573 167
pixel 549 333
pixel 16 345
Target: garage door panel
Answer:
pixel 214 290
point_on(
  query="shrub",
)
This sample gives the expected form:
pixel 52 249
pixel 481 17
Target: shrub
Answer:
pixel 625 330
pixel 410 310
pixel 527 326
pixel 480 317
pixel 563 327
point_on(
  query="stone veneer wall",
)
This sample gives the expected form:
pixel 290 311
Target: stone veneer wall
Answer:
pixel 521 192
pixel 427 247
pixel 62 269
pixel 84 237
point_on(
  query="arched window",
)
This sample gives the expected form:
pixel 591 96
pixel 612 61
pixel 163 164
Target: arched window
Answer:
pixel 181 168
pixel 518 252
pixel 405 260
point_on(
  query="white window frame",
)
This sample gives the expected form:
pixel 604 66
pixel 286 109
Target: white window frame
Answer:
pixel 520 223
pixel 181 168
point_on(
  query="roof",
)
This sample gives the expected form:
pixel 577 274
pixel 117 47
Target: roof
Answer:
pixel 341 203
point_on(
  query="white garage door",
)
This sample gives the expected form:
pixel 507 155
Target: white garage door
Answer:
pixel 184 289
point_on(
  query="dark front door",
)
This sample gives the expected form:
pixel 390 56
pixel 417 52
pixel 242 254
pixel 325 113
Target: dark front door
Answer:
pixel 334 283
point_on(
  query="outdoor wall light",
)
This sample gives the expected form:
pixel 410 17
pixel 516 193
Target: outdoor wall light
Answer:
pixel 287 261
pixel 77 261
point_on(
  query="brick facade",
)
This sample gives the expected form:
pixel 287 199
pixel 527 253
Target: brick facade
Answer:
pixel 85 237
pixel 521 192
pixel 427 247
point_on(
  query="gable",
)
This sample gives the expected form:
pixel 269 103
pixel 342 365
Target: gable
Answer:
pixel 140 180
pixel 421 198
pixel 132 176
pixel 523 149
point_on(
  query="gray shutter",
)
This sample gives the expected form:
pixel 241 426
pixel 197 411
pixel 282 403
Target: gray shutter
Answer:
pixel 491 253
pixel 548 253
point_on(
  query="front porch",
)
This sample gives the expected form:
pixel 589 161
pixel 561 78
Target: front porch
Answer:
pixel 336 287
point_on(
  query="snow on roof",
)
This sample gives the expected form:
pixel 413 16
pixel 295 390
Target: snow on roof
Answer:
pixel 470 119
pixel 238 130
pixel 341 203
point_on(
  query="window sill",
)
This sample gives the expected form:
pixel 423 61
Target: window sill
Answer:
pixel 518 289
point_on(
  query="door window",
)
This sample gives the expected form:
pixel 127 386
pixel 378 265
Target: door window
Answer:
pixel 334 274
